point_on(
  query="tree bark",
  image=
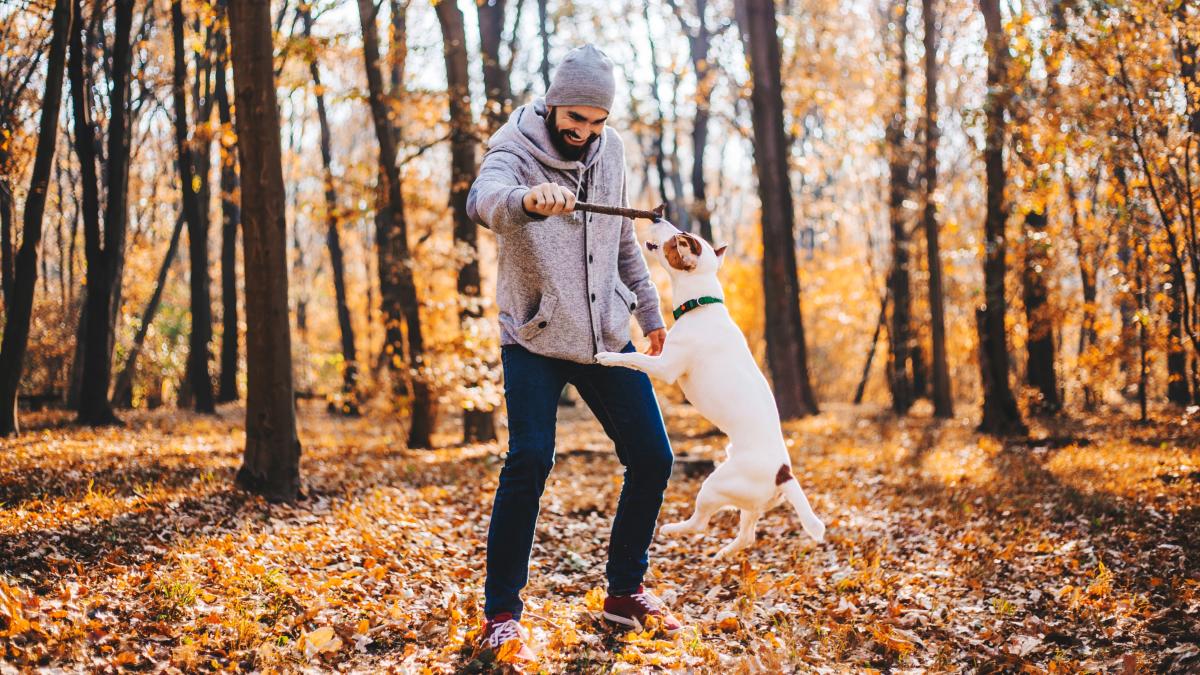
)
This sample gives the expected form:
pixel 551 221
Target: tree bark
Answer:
pixel 1141 254
pixel 230 218
pixel 666 175
pixel 1039 369
pixel 943 403
pixel 1177 377
pixel 105 251
pixel 1087 282
pixel 123 389
pixel 7 242
pixel 705 79
pixel 879 324
pixel 397 288
pixel 192 179
pixel 89 203
pixel 898 190
pixel 398 47
pixel 544 35
pixel 271 460
pixel 18 307
pixel 478 424
pixel 787 354
pixel 496 86
pixel 333 241
pixel 1000 414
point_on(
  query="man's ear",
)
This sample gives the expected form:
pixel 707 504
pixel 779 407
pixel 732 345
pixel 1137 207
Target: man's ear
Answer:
pixel 720 254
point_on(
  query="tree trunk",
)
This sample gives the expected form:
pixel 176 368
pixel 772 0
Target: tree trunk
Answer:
pixel 943 404
pixel 1000 414
pixel 123 389
pixel 1087 282
pixel 397 288
pixel 271 461
pixel 1143 338
pixel 192 179
pixel 866 373
pixel 7 242
pixel 230 218
pixel 706 77
pixel 104 250
pixel 544 35
pixel 787 354
pixel 898 190
pixel 1039 370
pixel 1177 376
pixel 496 85
pixel 666 176
pixel 18 307
pixel 398 47
pixel 478 424
pixel 85 152
pixel 333 241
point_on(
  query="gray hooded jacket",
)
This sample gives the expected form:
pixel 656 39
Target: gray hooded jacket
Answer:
pixel 567 284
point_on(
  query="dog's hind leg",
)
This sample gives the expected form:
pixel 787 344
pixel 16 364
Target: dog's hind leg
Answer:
pixel 745 536
pixel 707 503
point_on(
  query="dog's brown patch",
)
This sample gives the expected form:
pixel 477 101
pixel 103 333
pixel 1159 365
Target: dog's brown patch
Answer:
pixel 675 257
pixel 683 252
pixel 784 474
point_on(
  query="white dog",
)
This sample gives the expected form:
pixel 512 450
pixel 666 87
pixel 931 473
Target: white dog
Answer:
pixel 708 355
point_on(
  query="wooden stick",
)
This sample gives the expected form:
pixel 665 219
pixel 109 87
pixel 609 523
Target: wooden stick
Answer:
pixel 656 214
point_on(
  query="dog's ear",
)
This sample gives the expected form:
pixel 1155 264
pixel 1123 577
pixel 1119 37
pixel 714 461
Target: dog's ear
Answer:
pixel 720 253
pixel 682 252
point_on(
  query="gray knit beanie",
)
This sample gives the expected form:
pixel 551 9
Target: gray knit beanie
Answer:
pixel 585 77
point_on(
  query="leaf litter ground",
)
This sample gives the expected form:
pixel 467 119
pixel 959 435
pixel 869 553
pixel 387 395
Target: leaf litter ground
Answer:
pixel 128 550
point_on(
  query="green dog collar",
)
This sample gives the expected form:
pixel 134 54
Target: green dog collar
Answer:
pixel 693 304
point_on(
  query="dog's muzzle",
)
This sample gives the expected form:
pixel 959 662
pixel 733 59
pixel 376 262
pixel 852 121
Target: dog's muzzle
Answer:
pixel 651 246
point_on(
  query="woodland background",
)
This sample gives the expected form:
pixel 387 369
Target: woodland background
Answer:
pixel 250 361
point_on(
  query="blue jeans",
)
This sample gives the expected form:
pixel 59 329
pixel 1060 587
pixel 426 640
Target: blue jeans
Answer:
pixel 623 400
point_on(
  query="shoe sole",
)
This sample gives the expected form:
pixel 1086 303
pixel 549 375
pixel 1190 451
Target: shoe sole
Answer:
pixel 633 623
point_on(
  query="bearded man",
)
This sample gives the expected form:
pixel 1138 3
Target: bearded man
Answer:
pixel 568 283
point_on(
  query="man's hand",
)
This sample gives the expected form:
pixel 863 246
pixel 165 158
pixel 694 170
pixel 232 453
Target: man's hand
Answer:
pixel 657 338
pixel 549 199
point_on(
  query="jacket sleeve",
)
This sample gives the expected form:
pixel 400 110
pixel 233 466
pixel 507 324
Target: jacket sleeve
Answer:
pixel 495 199
pixel 631 266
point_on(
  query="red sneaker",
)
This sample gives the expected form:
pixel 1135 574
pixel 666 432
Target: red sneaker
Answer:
pixel 506 637
pixel 633 610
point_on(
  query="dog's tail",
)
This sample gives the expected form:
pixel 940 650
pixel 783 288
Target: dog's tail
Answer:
pixel 791 489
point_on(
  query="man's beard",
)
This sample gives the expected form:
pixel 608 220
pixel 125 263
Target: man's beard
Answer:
pixel 558 138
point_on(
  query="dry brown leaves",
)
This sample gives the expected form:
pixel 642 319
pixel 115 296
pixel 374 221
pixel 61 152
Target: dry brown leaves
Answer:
pixel 127 549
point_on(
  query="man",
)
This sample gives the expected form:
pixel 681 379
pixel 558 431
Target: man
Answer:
pixel 567 285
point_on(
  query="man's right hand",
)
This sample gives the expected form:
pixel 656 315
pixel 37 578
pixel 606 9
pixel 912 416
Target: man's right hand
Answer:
pixel 549 199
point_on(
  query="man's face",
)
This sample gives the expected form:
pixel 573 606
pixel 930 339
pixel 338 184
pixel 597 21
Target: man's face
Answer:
pixel 573 128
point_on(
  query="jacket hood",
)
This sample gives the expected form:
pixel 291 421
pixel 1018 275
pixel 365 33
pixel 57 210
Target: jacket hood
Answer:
pixel 526 128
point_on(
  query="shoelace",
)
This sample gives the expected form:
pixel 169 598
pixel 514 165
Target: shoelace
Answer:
pixel 509 630
pixel 647 600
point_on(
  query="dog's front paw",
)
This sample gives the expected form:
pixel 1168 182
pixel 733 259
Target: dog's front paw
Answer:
pixel 672 529
pixel 610 359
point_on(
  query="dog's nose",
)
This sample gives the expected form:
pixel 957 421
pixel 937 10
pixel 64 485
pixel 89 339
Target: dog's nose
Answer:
pixel 650 246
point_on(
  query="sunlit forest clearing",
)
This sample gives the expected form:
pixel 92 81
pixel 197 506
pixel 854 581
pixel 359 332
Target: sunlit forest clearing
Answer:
pixel 257 331
pixel 947 551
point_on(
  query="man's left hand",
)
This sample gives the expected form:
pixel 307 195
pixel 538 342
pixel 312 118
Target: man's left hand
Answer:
pixel 657 338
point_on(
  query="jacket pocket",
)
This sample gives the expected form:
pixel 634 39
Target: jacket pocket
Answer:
pixel 545 312
pixel 627 297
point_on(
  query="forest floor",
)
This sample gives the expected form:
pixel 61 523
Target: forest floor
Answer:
pixel 128 549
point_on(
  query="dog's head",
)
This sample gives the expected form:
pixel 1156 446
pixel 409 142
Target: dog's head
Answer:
pixel 682 252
